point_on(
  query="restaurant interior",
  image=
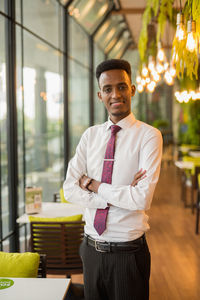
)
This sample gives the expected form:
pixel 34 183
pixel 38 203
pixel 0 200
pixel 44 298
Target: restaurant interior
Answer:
pixel 49 50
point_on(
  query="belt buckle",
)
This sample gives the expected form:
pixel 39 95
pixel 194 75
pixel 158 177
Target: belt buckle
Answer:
pixel 97 248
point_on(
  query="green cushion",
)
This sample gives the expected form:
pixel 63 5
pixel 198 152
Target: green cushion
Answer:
pixel 19 264
pixel 62 198
pixel 195 160
pixel 56 219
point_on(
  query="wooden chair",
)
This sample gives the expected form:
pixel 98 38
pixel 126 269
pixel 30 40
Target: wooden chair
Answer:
pixel 42 269
pixel 60 242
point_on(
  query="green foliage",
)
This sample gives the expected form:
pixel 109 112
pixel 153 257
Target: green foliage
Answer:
pixel 162 10
pixel 142 44
pixel 160 124
pixel 189 133
pixel 166 11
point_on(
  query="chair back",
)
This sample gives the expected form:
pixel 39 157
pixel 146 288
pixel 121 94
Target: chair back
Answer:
pixel 60 242
pixel 42 268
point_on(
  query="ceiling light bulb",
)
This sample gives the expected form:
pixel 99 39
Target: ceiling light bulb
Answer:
pixel 143 82
pixel 145 71
pixel 172 71
pixel 156 76
pixel 140 88
pixel 166 65
pixel 191 44
pixel 148 80
pixel 151 64
pixel 138 79
pixel 161 53
pixel 180 29
pixel 151 86
pixel 159 68
pixel 168 78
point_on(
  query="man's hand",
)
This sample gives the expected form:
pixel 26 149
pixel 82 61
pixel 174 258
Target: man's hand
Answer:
pixel 138 176
pixel 84 181
pixel 89 184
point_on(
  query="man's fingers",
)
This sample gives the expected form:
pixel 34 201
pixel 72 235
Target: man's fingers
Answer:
pixel 139 174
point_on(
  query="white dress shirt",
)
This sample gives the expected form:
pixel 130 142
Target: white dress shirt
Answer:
pixel 138 145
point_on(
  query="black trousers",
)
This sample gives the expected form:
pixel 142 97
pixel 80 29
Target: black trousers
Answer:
pixel 116 276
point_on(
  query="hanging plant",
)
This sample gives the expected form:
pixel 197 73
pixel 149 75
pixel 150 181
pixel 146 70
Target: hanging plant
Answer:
pixel 142 44
pixel 165 12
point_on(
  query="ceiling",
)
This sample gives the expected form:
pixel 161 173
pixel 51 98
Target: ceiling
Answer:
pixel 133 11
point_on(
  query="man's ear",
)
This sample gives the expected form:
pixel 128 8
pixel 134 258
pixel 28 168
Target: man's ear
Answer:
pixel 99 96
pixel 133 89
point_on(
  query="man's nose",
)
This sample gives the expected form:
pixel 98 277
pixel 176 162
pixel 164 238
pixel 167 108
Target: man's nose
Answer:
pixel 116 93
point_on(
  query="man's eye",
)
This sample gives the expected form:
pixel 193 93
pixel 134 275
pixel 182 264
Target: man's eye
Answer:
pixel 122 87
pixel 108 90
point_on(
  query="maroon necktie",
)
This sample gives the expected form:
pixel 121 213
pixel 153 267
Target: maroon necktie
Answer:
pixel 101 214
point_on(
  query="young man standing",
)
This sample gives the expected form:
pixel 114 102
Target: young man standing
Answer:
pixel 105 176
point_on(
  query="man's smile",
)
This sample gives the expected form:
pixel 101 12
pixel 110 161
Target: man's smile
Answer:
pixel 116 104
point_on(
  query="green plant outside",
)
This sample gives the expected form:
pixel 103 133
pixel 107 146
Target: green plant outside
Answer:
pixel 189 129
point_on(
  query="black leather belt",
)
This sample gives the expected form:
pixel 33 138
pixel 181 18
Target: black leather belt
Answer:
pixel 133 246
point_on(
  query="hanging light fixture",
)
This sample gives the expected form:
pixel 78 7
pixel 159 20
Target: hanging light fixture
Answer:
pixel 151 86
pixel 191 44
pixel 180 29
pixel 172 70
pixel 145 71
pixel 140 88
pixel 151 63
pixel 161 53
pixel 138 79
pixel 168 78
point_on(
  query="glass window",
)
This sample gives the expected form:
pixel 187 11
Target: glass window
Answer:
pixel 2 5
pixel 79 43
pixel 118 50
pixel 109 32
pixel 99 110
pixel 3 135
pixel 20 120
pixel 43 18
pixel 78 103
pixel 132 56
pixel 43 115
pixel 89 13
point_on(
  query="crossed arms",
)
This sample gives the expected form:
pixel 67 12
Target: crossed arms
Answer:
pixel 91 193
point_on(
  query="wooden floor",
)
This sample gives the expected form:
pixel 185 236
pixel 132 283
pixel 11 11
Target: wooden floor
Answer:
pixel 175 248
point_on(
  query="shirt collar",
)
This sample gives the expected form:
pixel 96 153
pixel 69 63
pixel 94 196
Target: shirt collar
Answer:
pixel 123 123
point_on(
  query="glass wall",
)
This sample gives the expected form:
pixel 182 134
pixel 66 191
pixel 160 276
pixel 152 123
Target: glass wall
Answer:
pixel 4 203
pixel 78 83
pixel 99 109
pixel 40 98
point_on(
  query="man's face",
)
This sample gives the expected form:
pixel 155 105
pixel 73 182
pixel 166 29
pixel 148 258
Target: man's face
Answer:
pixel 116 92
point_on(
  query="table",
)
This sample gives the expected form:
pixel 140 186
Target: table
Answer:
pixel 194 153
pixel 53 210
pixel 184 164
pixel 34 288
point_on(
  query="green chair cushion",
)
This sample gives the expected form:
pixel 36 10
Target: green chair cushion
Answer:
pixel 19 264
pixel 56 219
pixel 62 198
pixel 195 160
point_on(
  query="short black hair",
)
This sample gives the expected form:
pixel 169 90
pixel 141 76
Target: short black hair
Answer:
pixel 112 64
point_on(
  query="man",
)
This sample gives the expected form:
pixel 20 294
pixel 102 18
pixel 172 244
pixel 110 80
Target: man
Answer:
pixel 115 255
